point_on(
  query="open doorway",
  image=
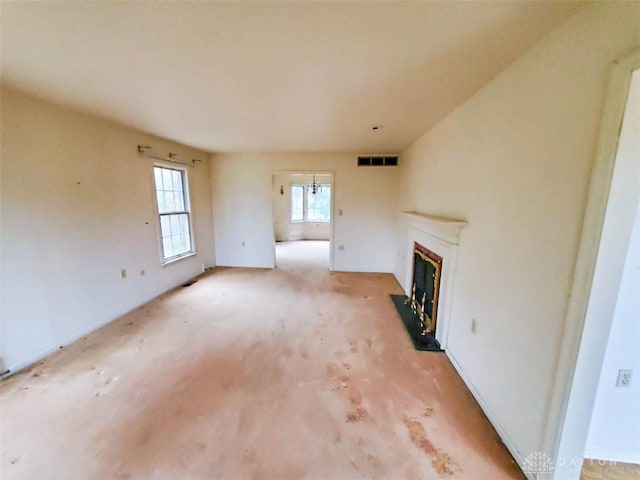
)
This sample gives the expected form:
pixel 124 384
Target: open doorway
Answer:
pixel 614 430
pixel 302 219
pixel 601 421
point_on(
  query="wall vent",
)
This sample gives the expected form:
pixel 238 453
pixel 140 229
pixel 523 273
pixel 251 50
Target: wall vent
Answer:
pixel 377 160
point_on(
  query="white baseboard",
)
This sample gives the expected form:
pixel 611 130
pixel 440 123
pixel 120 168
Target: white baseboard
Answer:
pixel 508 442
pixel 613 453
pixel 18 367
pixel 13 369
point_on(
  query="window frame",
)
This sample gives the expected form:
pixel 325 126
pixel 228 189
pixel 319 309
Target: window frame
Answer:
pixel 305 203
pixel 186 194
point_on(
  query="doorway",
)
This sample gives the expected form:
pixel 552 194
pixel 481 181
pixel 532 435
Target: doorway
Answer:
pixel 303 219
pixel 607 235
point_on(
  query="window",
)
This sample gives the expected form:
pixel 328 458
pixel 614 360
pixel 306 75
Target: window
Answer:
pixel 310 207
pixel 173 209
pixel 297 203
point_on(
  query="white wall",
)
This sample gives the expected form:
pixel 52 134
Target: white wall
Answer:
pixel 242 199
pixel 77 207
pixel 514 162
pixel 284 228
pixel 615 424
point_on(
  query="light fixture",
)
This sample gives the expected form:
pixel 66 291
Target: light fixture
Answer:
pixel 314 186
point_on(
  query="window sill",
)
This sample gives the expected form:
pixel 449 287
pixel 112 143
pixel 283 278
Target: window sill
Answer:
pixel 310 221
pixel 173 260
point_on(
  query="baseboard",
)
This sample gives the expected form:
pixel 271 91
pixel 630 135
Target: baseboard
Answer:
pixel 508 442
pixel 20 366
pixel 14 369
pixel 610 453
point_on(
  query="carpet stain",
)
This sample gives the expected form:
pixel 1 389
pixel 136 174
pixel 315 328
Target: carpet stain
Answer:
pixel 442 463
pixel 358 415
pixel 332 370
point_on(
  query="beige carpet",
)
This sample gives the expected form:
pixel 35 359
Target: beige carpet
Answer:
pixel 294 372
pixel 307 254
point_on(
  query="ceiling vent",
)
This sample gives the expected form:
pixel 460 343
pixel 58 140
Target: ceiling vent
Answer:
pixel 377 160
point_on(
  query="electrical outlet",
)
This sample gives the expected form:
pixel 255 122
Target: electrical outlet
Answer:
pixel 340 247
pixel 123 273
pixel 474 325
pixel 142 272
pixel 243 243
pixel 624 378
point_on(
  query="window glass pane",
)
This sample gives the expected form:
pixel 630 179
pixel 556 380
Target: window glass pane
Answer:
pixel 157 174
pixel 171 201
pixel 175 224
pixel 319 205
pixel 162 205
pixel 184 243
pixel 184 223
pixel 297 203
pixel 167 199
pixel 165 225
pixel 177 180
pixel 176 244
pixel 167 247
pixel 178 198
pixel 181 244
pixel 166 179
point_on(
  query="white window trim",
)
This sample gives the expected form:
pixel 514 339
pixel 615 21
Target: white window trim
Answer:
pixel 187 194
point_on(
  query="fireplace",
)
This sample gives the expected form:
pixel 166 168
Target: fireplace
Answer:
pixel 427 267
pixel 426 270
pixel 419 309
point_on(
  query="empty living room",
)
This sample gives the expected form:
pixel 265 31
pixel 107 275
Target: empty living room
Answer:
pixel 324 240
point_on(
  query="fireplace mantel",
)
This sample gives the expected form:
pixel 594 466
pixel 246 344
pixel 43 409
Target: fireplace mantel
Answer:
pixel 445 229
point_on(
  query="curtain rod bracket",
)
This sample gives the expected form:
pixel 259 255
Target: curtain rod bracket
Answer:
pixel 146 151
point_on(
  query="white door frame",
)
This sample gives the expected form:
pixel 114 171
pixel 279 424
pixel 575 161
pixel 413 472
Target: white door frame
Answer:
pixel 583 345
pixel 331 174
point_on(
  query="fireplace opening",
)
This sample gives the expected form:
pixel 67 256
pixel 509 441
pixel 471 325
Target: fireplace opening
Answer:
pixel 426 285
pixel 419 311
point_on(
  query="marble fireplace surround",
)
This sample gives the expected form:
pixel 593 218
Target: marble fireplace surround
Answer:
pixel 440 235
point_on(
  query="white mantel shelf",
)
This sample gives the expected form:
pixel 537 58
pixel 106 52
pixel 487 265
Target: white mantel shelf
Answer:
pixel 446 229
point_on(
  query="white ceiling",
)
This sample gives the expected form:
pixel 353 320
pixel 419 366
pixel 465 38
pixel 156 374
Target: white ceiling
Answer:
pixel 291 76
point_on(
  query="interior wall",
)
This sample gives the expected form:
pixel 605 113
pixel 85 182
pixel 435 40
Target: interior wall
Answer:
pixel 614 433
pixel 78 206
pixel 514 162
pixel 284 228
pixel 363 209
